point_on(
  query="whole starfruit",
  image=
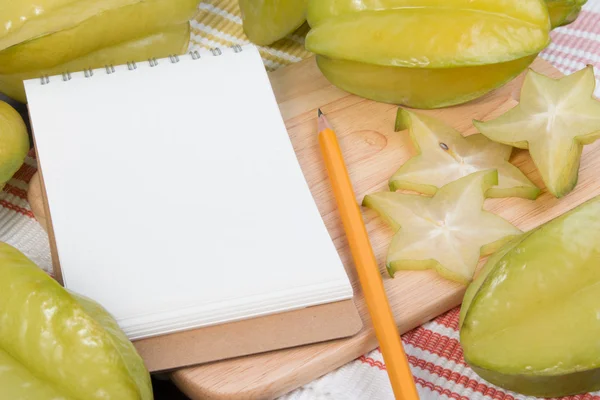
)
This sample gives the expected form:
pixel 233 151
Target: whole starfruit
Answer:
pixel 530 320
pixel 425 53
pixel 115 23
pixel 14 142
pixel 266 21
pixel 58 345
pixel 24 20
pixel 170 40
pixel 563 12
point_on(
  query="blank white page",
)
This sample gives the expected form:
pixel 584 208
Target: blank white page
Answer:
pixel 176 197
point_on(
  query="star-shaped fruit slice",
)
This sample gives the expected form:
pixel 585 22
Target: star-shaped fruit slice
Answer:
pixel 448 232
pixel 554 120
pixel 444 155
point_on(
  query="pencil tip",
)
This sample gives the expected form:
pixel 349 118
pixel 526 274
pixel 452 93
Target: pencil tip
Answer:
pixel 322 122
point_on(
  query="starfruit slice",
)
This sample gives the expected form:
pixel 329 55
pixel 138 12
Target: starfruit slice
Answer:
pixel 530 320
pixel 448 232
pixel 420 87
pixel 14 142
pixel 106 29
pixel 440 37
pixel 444 156
pixel 169 40
pixel 57 345
pixel 563 12
pixel 554 120
pixel 266 21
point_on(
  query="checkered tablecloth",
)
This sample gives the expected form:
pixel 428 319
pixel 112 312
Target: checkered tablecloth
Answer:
pixel 433 349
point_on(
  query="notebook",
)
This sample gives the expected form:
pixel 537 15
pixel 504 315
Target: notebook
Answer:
pixel 176 201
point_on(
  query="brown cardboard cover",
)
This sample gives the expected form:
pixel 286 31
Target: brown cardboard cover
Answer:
pixel 250 336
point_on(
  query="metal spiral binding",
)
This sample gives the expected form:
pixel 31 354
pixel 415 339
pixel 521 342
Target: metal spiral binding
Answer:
pixel 132 65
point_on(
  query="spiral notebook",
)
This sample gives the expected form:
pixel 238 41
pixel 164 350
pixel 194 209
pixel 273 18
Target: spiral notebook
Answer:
pixel 176 201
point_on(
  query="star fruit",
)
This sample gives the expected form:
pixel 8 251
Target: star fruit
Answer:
pixel 25 20
pixel 425 53
pixel 14 142
pixel 167 41
pixel 57 345
pixel 563 12
pixel 447 232
pixel 115 24
pixel 266 21
pixel 554 120
pixel 444 34
pixel 444 155
pixel 530 320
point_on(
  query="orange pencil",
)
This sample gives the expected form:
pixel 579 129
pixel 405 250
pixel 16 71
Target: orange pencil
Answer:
pixel 368 272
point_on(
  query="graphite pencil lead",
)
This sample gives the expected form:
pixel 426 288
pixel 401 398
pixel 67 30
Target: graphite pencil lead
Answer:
pixel 322 122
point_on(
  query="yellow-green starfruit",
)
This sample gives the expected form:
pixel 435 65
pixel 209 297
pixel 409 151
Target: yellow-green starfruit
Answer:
pixel 266 21
pixel 530 320
pixel 117 24
pixel 444 156
pixel 448 232
pixel 563 12
pixel 554 119
pixel 167 41
pixel 58 345
pixel 425 53
pixel 14 142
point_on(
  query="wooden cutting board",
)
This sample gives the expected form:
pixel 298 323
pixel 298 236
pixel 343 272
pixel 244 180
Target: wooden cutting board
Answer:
pixel 373 151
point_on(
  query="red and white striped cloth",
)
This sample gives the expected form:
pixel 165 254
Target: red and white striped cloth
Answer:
pixel 433 349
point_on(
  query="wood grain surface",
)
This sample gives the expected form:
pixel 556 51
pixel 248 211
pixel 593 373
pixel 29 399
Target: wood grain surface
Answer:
pixel 373 151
